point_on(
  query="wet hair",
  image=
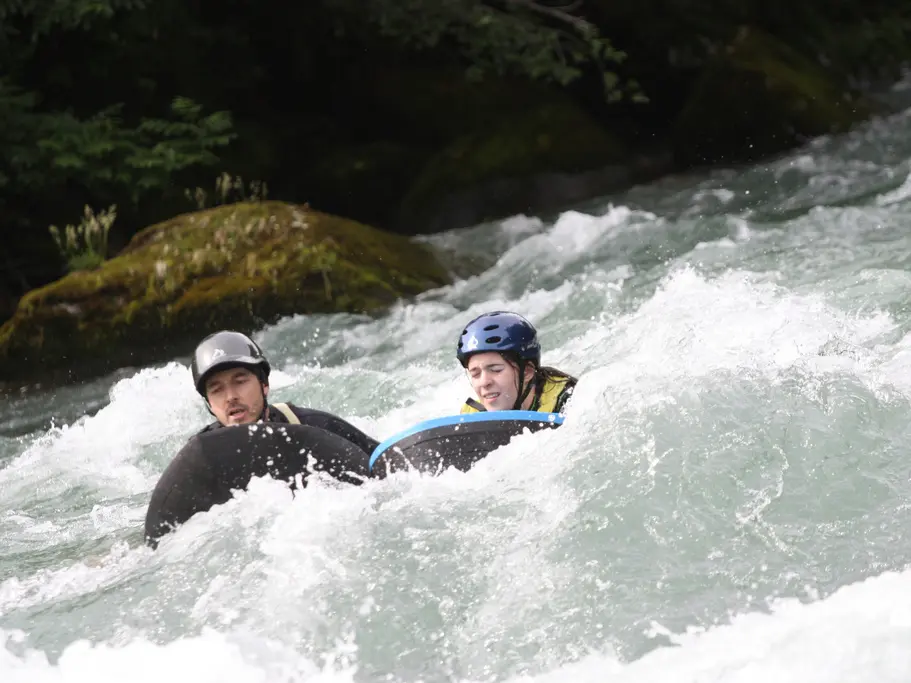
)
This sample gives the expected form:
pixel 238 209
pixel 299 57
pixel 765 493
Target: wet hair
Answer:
pixel 544 373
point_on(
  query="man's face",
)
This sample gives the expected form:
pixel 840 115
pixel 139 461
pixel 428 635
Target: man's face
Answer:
pixel 236 396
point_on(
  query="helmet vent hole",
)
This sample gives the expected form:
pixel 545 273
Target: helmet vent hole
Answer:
pixel 493 340
pixel 491 327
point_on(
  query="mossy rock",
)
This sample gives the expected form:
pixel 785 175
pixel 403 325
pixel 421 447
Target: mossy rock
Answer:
pixel 759 97
pixel 557 137
pixel 238 266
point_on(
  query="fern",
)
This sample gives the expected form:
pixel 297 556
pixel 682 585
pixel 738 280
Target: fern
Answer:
pixel 43 149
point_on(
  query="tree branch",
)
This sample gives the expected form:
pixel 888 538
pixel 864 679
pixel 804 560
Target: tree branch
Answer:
pixel 560 14
pixel 570 6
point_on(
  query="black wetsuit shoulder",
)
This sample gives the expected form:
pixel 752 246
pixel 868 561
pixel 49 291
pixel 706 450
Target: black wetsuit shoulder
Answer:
pixel 316 418
pixel 329 422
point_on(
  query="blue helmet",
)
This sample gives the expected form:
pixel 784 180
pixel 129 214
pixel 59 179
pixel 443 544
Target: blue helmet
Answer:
pixel 502 332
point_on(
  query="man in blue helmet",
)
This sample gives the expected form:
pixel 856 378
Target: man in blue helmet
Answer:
pixel 501 353
pixel 231 373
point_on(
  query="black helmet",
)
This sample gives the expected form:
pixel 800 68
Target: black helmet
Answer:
pixel 224 350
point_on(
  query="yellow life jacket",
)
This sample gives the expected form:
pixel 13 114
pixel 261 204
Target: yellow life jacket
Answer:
pixel 553 396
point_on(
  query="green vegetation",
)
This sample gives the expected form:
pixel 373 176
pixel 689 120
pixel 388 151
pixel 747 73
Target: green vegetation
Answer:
pixel 85 246
pixel 375 110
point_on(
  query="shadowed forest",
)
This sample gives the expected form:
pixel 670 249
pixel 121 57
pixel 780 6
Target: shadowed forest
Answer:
pixel 408 115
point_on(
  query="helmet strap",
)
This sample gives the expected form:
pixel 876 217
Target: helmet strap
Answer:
pixel 262 388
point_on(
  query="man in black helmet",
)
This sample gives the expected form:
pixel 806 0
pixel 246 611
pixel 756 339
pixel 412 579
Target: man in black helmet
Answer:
pixel 232 375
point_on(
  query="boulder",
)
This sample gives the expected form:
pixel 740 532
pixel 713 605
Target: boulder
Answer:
pixel 532 161
pixel 237 266
pixel 454 152
pixel 759 97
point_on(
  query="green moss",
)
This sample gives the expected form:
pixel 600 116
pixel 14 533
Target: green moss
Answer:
pixel 759 97
pixel 238 266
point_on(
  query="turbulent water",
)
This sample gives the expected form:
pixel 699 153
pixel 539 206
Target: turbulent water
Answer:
pixel 727 500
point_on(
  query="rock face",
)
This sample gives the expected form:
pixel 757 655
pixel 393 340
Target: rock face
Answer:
pixel 441 152
pixel 452 152
pixel 496 171
pixel 759 97
pixel 238 266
